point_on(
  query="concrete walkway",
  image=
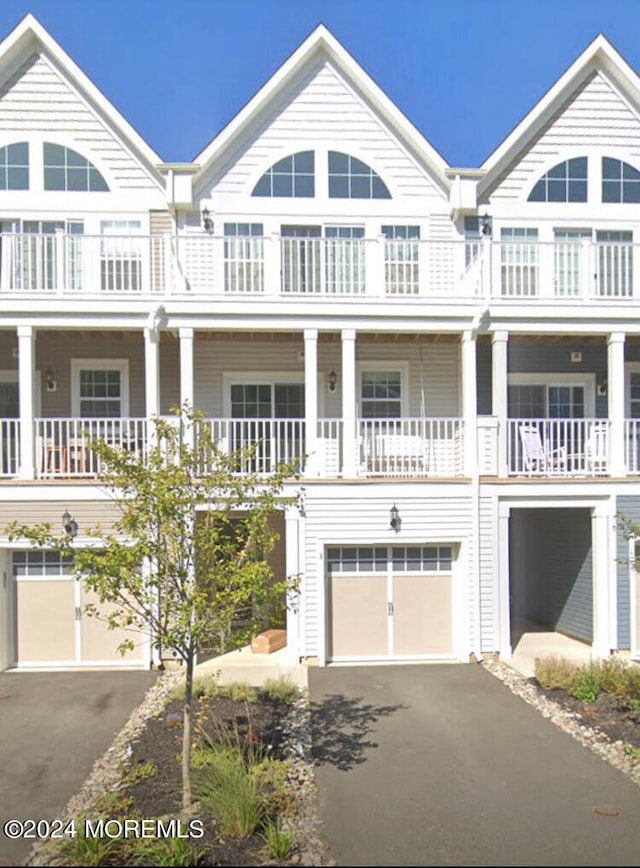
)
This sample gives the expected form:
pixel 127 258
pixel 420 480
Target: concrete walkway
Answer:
pixel 54 726
pixel 443 765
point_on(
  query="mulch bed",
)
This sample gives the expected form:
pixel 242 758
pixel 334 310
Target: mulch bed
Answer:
pixel 160 796
pixel 608 714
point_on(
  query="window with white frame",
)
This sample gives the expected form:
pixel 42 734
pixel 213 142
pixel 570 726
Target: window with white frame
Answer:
pixel 121 256
pixel 423 559
pixel 633 392
pixel 39 564
pixel 620 181
pixel 381 394
pixel 66 169
pixel 243 257
pixel 519 261
pixel 14 166
pixel 291 177
pixel 401 259
pixel 566 182
pixel 100 388
pixel 350 178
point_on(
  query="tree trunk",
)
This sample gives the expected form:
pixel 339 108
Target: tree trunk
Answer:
pixel 186 735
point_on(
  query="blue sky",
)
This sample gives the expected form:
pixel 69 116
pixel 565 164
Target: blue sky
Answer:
pixel 463 71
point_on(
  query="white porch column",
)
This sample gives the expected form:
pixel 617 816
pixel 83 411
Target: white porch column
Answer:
pixel 292 550
pixel 151 380
pixel 615 389
pixel 349 436
pixel 311 400
pixel 469 402
pixel 186 376
pixel 26 390
pixel 603 611
pixel 499 386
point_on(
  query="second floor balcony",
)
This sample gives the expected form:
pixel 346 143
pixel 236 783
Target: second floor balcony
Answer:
pixel 202 265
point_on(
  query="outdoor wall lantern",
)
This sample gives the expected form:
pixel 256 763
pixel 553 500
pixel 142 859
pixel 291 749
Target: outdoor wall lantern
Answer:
pixel 602 385
pixel 69 524
pixel 395 521
pixel 485 224
pixel 333 379
pixel 207 220
pixel 50 380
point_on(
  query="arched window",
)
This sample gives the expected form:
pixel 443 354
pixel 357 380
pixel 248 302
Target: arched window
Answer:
pixel 65 169
pixel 291 177
pixel 620 181
pixel 566 182
pixel 14 167
pixel 350 178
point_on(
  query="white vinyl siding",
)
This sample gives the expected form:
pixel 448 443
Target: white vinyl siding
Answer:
pixel 596 116
pixel 339 518
pixel 327 111
pixel 37 99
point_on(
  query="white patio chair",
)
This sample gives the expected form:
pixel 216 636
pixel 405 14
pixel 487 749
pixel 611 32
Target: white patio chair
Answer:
pixel 596 449
pixel 539 456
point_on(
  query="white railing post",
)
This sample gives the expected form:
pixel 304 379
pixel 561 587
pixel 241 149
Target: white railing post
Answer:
pixel 311 401
pixel 26 381
pixel 616 380
pixel 486 250
pixel 499 393
pixel 151 380
pixel 187 396
pixel 273 264
pixel 349 434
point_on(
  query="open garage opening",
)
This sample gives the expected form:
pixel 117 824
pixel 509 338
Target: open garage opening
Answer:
pixel 551 584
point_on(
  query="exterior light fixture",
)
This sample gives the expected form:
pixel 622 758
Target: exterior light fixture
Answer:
pixel 485 224
pixel 50 380
pixel 333 379
pixel 395 521
pixel 602 385
pixel 207 220
pixel 69 524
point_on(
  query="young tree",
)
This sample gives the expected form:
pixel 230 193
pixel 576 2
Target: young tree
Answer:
pixel 186 556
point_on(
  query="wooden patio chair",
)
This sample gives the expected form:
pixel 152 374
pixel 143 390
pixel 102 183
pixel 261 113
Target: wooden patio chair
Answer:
pixel 538 455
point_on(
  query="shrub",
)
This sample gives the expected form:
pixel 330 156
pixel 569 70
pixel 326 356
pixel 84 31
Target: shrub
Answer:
pixel 226 786
pixel 586 684
pixel 163 852
pixel 82 850
pixel 279 841
pixel 199 689
pixel 281 689
pixel 276 797
pixel 139 772
pixel 238 691
pixel 555 672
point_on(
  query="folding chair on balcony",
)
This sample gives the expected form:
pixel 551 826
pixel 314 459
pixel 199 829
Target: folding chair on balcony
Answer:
pixel 538 455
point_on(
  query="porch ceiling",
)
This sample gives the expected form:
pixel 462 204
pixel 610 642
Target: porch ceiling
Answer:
pixel 327 337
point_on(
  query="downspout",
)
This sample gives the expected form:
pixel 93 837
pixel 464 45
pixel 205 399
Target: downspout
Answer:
pixel 475 519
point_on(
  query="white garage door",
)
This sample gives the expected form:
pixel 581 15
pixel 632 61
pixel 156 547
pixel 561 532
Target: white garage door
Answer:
pixel 50 624
pixel 390 602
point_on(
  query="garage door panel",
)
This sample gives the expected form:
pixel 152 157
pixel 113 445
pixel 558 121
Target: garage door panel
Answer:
pixel 422 615
pixel 45 621
pixel 97 641
pixel 359 616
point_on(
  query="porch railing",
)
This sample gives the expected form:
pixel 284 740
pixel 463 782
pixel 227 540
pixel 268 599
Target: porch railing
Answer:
pixel 632 446
pixel 411 447
pixel 63 446
pixel 558 447
pixel 9 447
pixel 273 441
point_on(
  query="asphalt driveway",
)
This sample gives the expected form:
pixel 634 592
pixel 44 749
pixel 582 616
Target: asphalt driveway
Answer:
pixel 54 727
pixel 443 765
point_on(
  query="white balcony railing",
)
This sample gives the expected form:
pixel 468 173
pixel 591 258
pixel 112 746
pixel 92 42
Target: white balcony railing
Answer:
pixel 273 441
pixel 632 446
pixel 564 270
pixel 63 446
pixel 9 447
pixel 558 447
pixel 411 447
pixel 33 264
pixel 200 264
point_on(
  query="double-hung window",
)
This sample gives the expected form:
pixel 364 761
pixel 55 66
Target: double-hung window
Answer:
pixel 381 394
pixel 519 262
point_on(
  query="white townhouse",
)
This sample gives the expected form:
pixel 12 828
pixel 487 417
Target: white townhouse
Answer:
pixel 455 352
